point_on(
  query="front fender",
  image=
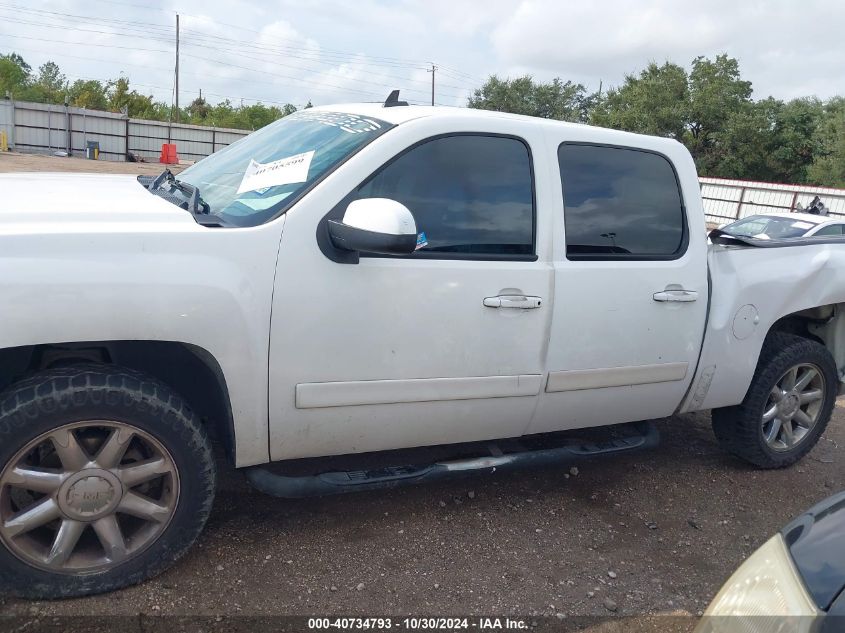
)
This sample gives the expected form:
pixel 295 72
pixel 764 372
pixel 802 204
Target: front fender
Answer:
pixel 207 287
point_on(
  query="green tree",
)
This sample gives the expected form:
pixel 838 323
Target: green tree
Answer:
pixel 557 99
pixel 654 102
pixel 17 59
pixel 198 110
pixel 123 99
pixel 88 93
pixel 740 148
pixel 14 76
pixel 50 85
pixel 828 166
pixel 794 146
pixel 716 92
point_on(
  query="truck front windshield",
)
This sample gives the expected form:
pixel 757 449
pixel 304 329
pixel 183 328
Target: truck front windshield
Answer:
pixel 261 175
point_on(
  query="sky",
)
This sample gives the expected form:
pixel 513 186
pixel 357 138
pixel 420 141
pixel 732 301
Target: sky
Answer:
pixel 330 51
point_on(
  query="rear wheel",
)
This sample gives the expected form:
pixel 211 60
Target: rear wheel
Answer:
pixel 106 478
pixel 787 407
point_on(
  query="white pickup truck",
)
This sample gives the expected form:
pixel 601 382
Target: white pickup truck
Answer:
pixel 368 278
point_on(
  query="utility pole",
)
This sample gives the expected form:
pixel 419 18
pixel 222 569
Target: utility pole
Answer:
pixel 177 68
pixel 432 71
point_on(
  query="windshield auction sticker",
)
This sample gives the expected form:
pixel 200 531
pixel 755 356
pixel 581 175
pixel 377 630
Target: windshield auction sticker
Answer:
pixel 285 171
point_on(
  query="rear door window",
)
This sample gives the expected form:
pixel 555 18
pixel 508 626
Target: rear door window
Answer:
pixel 620 204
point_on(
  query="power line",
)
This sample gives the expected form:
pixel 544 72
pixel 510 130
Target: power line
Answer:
pixel 380 85
pixel 317 85
pixel 327 85
pixel 163 33
pixel 218 48
pixel 143 28
pixel 299 67
pixel 55 41
pixel 97 20
pixel 334 55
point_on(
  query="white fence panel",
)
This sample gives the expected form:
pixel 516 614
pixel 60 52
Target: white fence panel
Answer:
pixel 146 138
pixel 227 138
pixel 193 142
pixel 106 128
pixel 40 128
pixel 728 200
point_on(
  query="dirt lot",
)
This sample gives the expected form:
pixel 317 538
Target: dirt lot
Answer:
pixel 11 162
pixel 650 533
pixel 670 525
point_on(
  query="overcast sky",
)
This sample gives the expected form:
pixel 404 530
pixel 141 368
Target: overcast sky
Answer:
pixel 344 50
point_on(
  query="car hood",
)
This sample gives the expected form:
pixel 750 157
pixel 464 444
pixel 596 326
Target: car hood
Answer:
pixel 816 541
pixel 67 202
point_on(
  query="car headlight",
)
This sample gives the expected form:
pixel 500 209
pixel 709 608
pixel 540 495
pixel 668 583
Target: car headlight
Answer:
pixel 765 595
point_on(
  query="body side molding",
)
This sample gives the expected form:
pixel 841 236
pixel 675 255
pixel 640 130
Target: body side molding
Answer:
pixel 578 379
pixel 360 392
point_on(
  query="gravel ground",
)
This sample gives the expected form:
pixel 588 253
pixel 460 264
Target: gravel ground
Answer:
pixel 12 162
pixel 647 533
pixel 639 535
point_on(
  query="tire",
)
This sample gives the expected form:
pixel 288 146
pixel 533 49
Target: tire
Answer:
pixel 153 438
pixel 741 429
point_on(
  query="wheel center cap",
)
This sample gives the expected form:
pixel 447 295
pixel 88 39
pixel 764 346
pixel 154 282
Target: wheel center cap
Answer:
pixel 789 405
pixel 90 494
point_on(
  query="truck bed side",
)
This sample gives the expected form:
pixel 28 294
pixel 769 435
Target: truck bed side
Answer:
pixel 752 291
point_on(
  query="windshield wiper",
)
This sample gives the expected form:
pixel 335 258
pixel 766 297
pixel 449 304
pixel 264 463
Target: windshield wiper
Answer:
pixel 195 203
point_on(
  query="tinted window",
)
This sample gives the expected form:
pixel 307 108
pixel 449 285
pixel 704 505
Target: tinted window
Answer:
pixel 620 203
pixel 833 229
pixel 469 194
pixel 772 226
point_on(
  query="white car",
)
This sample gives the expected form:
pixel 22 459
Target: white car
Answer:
pixel 786 225
pixel 371 277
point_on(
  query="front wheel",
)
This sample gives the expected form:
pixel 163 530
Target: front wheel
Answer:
pixel 106 478
pixel 787 407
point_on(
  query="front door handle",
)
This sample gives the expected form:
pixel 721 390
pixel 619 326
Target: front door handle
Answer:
pixel 520 302
pixel 676 295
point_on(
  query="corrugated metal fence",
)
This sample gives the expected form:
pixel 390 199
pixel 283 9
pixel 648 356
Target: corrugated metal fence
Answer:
pixel 729 200
pixel 43 129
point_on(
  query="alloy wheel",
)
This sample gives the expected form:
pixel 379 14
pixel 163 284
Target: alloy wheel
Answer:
pixel 87 496
pixel 793 407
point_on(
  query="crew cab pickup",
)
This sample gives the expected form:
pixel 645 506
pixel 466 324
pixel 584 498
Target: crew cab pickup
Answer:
pixel 370 278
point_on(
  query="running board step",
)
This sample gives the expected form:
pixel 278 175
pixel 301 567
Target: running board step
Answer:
pixel 338 482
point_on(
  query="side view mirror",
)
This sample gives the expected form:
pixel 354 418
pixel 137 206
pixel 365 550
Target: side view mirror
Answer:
pixel 375 225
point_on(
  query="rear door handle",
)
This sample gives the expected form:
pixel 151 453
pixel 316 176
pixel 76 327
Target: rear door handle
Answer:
pixel 676 295
pixel 520 302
